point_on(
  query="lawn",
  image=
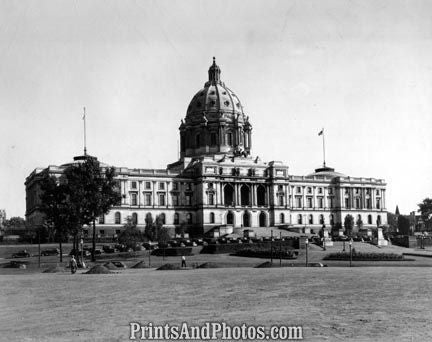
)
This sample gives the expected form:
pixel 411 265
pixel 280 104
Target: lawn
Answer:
pixel 333 304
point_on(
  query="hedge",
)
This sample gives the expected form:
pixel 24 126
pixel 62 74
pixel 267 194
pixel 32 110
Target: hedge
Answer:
pixel 234 247
pixel 365 256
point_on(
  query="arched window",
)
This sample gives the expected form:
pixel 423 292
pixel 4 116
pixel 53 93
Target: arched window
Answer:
pixel 310 219
pixel 262 219
pixel 299 219
pixel 230 218
pixel 261 195
pixel 134 218
pixel 213 139
pixel 245 194
pixel 378 220
pixel 321 219
pixel 189 218
pixel 212 218
pixel 331 219
pixel 246 219
pixel 282 218
pixel 229 139
pixel 117 218
pixel 369 219
pixel 229 194
pixel 176 218
pixel 197 140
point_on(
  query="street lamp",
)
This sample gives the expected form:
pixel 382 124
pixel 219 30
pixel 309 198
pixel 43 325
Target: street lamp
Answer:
pixel 350 247
pixel 307 245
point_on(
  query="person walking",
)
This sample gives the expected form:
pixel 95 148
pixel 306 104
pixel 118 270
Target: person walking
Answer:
pixel 183 264
pixel 73 265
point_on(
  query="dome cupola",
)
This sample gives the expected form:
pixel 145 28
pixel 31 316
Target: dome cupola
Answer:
pixel 215 122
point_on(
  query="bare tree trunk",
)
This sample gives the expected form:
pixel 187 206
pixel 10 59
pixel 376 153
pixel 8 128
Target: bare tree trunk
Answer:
pixel 61 250
pixel 94 242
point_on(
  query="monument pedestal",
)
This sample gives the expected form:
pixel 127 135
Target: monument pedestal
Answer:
pixel 379 239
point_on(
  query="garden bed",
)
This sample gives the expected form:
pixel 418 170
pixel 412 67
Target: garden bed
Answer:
pixel 365 256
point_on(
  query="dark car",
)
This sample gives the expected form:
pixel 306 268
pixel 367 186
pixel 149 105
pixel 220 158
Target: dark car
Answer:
pixel 108 249
pixel 86 252
pixel 51 251
pixel 21 254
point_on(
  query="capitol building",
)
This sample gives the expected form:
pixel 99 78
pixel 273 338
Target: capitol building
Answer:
pixel 217 182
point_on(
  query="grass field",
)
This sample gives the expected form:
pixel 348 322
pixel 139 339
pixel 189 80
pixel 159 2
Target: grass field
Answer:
pixel 332 304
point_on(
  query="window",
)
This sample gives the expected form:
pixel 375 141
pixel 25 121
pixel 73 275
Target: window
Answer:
pixel 280 188
pixel 147 185
pixel 188 186
pixel 310 219
pixel 309 202
pixel 197 140
pixel 101 232
pixel 299 202
pixel 321 219
pixel 175 200
pixel 134 199
pixel 210 185
pixel 161 186
pixel 309 190
pixel 134 218
pixel 101 219
pixel 330 191
pixel 117 218
pixel 378 203
pixel 175 186
pixel 369 220
pixel 331 219
pixel 161 199
pixel 377 192
pixel 189 218
pixel 134 185
pixel 213 139
pixel 188 200
pixel 347 203
pixel 330 202
pixel 229 139
pixel 176 218
pixel 212 218
pixel 357 202
pixel 162 218
pixel 298 190
pixel 299 219
pixel 320 190
pixel 210 199
pixel 320 202
pixel 118 231
pixel 357 190
pixel 281 200
pixel 282 218
pixel 368 203
pixel 147 199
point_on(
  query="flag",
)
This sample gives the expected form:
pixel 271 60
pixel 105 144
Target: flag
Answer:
pixel 322 131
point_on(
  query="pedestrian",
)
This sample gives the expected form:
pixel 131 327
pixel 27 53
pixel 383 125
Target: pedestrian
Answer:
pixel 183 261
pixel 73 265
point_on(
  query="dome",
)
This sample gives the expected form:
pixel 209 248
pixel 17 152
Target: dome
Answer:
pixel 215 97
pixel 325 172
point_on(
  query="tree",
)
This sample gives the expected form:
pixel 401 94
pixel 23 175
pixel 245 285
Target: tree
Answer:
pixel 59 212
pixel 359 224
pixel 93 191
pixel 425 210
pixel 403 225
pixel 15 223
pixel 131 235
pixel 348 224
pixel 149 230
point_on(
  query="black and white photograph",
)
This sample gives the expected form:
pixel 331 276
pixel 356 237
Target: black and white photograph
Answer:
pixel 215 170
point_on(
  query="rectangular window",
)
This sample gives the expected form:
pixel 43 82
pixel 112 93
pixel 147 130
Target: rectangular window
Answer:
pixel 309 202
pixel 188 200
pixel 211 199
pixel 347 203
pixel 309 190
pixel 148 199
pixel 368 203
pixel 175 186
pixel 330 191
pixel 298 190
pixel 188 186
pixel 320 190
pixel 213 139
pixel 330 201
pixel 175 200
pixel 281 200
pixel 134 185
pixel 320 202
pixel 299 202
pixel 134 199
pixel 148 185
pixel 101 219
pixel 378 203
pixel 161 199
pixel 161 186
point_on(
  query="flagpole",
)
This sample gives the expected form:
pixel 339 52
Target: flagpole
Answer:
pixel 323 147
pixel 85 142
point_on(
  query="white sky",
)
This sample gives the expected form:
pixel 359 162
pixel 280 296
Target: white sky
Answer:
pixel 361 69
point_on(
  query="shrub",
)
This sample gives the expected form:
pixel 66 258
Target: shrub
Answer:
pixel 364 256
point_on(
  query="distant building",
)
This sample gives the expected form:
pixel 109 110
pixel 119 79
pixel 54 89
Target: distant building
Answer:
pixel 217 182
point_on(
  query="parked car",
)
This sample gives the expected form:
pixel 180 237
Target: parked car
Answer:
pixel 21 254
pixel 150 245
pixel 98 251
pixel 51 251
pixel 85 252
pixel 108 249
pixel 199 241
